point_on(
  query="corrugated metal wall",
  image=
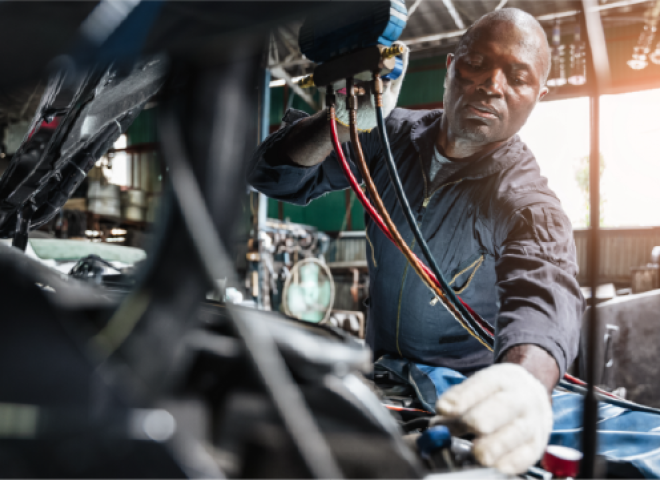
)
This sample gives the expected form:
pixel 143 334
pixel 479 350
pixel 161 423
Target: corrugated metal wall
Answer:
pixel 348 247
pixel 620 250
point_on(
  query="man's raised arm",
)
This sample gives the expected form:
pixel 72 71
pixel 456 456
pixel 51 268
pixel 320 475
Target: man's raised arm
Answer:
pixel 290 164
pixel 308 143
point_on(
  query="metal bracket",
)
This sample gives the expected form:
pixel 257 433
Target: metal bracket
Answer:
pixel 23 226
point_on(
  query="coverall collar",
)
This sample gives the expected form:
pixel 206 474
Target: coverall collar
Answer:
pixel 424 133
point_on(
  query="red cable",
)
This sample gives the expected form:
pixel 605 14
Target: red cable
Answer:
pixel 582 383
pixel 405 409
pixel 354 184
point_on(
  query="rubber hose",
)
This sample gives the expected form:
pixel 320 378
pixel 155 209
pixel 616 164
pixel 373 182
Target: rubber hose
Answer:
pixel 405 205
pixel 360 194
pixel 380 207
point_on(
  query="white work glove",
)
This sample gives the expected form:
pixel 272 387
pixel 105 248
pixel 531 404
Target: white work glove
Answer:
pixel 508 410
pixel 366 114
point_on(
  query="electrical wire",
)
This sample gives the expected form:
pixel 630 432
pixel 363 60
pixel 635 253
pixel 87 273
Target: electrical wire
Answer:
pixel 419 411
pixel 582 383
pixel 407 210
pixel 612 400
pixel 420 423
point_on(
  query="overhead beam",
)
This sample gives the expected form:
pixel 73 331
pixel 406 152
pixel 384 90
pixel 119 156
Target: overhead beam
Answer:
pixel 451 8
pixel 551 16
pixel 598 8
pixel 414 7
pixel 597 44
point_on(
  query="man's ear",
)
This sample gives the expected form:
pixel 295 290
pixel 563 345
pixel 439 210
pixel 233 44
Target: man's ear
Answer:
pixel 543 92
pixel 450 60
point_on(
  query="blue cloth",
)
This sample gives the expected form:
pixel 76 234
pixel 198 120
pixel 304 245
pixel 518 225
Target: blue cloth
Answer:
pixel 625 437
pixel 494 226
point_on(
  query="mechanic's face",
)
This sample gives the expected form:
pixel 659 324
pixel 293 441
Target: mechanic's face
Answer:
pixel 494 82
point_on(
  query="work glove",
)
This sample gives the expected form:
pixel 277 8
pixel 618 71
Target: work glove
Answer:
pixel 509 412
pixel 366 114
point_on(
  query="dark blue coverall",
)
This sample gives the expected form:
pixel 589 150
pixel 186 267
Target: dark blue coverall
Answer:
pixel 496 229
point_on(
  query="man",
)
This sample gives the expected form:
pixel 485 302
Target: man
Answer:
pixel 496 230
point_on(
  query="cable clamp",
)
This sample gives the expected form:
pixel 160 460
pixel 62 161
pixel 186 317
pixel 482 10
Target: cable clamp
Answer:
pixel 378 85
pixel 330 99
pixel 378 90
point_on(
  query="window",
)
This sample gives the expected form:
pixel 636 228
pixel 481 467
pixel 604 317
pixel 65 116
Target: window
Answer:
pixel 558 134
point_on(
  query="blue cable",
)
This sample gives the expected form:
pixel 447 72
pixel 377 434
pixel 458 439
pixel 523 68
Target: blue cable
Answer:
pixel 405 206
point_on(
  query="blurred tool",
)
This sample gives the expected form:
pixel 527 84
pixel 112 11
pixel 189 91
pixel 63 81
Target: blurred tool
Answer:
pixel 562 462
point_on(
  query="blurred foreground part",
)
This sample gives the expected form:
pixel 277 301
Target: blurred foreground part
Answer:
pixel 46 34
pixel 156 381
pixel 627 348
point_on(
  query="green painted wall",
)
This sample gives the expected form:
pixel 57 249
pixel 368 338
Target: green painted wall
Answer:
pixel 143 128
pixel 424 82
pixel 277 106
pixel 327 213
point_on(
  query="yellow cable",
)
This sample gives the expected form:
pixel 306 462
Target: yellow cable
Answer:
pixel 476 264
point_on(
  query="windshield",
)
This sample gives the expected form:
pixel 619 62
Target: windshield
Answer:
pixel 71 250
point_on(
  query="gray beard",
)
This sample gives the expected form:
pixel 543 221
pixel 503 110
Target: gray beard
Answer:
pixel 475 135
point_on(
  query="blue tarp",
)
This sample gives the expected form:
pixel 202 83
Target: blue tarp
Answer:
pixel 625 437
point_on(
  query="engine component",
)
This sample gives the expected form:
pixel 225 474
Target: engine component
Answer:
pixel 91 114
pixel 309 291
pixel 433 439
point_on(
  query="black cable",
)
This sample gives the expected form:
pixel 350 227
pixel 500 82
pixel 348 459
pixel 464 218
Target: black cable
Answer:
pixel 91 260
pixel 612 401
pixel 405 206
pixel 420 423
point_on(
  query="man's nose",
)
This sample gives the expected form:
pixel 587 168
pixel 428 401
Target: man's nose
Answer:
pixel 492 84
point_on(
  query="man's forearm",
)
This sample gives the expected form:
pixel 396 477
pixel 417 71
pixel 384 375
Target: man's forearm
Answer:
pixel 308 143
pixel 536 361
